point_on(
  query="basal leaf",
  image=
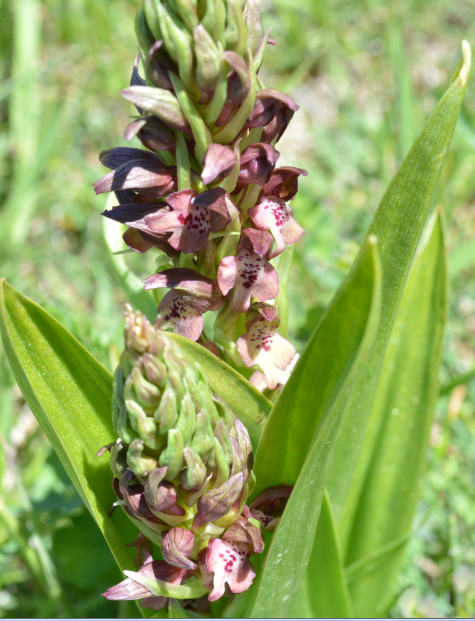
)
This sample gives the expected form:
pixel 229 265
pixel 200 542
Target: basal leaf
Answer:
pixel 403 406
pixel 299 437
pixel 398 225
pixel 70 394
pixel 247 403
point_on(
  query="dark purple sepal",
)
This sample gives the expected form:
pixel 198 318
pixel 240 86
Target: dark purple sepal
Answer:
pixel 257 163
pixel 218 162
pixel 283 182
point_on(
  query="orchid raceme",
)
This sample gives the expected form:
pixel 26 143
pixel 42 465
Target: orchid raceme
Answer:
pixel 206 190
pixel 182 466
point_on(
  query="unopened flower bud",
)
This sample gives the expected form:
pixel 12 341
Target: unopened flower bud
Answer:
pixel 172 456
pixel 208 58
pixel 194 474
pixel 139 463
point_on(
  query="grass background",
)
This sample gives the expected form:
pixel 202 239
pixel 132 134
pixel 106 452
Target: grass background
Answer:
pixel 367 74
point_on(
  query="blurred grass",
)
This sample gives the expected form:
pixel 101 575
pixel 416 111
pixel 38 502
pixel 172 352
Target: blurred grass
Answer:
pixel 366 74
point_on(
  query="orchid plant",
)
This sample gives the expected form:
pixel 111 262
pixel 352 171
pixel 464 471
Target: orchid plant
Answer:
pixel 251 483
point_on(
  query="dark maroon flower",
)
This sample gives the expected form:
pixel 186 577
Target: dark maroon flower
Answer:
pixel 185 313
pixel 188 223
pixel 152 133
pixel 140 217
pixel 136 79
pixel 140 242
pixel 239 84
pixel 284 182
pixel 145 173
pixel 257 164
pixel 218 162
pixel 272 111
pixel 184 280
pixel 157 65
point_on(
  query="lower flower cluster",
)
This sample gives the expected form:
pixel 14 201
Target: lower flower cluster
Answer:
pixel 183 475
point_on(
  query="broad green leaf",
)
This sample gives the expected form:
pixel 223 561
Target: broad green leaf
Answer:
pixel 70 394
pixel 404 406
pixel 247 403
pixel 300 435
pixel 324 593
pixel 398 225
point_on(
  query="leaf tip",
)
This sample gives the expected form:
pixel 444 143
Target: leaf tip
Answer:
pixel 464 67
pixel 372 240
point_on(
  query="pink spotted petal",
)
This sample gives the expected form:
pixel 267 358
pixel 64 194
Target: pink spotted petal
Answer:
pixel 230 564
pixel 273 214
pixel 258 379
pixel 185 313
pixel 262 345
pixel 220 206
pixel 251 275
pixel 188 222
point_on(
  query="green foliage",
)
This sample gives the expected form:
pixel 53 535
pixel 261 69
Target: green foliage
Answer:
pixel 70 394
pixel 398 225
pixel 402 411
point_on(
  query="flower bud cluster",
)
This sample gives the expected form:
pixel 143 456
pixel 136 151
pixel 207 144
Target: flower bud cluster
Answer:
pixel 182 468
pixel 205 192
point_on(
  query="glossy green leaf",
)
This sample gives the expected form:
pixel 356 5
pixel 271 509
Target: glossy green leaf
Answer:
pixel 324 592
pixel 300 435
pixel 247 403
pixel 70 394
pixel 404 406
pixel 398 225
